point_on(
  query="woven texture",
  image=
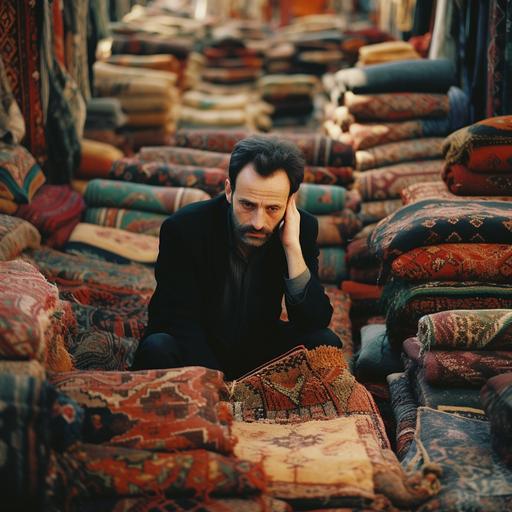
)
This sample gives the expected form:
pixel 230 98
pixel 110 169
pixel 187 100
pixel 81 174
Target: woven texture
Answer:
pixel 456 262
pixel 467 330
pixel 136 196
pixel 473 477
pixel 388 182
pixel 15 236
pixel 158 410
pixel 20 175
pixel 430 222
pixel 27 301
pixel 396 106
pixel 209 179
pixel 300 385
pixel 396 152
pixel 93 471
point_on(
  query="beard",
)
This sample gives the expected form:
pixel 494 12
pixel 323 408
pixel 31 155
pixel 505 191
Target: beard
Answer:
pixel 243 233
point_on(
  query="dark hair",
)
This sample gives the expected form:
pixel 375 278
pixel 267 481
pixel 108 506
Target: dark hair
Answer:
pixel 267 154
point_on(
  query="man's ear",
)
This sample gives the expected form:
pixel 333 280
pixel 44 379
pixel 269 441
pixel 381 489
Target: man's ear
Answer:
pixel 227 190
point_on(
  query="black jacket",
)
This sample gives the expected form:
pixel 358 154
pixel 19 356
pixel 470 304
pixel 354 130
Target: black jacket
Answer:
pixel 191 273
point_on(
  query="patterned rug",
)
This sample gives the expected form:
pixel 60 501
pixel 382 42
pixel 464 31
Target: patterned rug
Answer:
pixel 88 471
pixel 136 221
pixel 337 228
pixel 432 221
pixel 490 263
pixel 396 106
pixel 461 181
pixel 209 179
pixel 388 182
pixel 16 235
pixel 300 385
pixel 467 330
pixel 473 477
pixel 405 303
pixel 113 244
pixel 356 469
pixel 136 196
pixel 157 410
pixel 405 408
pixel 395 152
pixel 325 199
pixel 69 270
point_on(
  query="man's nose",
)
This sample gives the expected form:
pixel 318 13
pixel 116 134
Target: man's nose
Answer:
pixel 258 220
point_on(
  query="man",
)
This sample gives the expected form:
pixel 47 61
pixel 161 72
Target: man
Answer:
pixel 225 263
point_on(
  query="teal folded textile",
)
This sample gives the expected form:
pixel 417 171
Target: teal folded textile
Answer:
pixel 376 359
pixel 324 199
pixel 136 196
pixel 421 75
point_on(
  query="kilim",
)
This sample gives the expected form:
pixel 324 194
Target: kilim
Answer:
pixel 15 236
pixel 158 410
pixel 473 477
pixel 388 182
pixel 432 222
pixel 209 179
pixel 475 329
pixel 396 106
pixel 396 152
pixel 490 263
pixel 117 194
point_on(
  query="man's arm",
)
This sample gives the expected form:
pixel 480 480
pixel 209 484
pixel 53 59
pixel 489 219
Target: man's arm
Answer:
pixel 175 305
pixel 310 307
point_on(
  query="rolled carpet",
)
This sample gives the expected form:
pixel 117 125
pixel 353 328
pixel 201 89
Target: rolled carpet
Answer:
pixel 117 194
pixel 395 152
pixel 388 182
pixel 147 223
pixel 491 263
pixel 478 329
pixel 433 76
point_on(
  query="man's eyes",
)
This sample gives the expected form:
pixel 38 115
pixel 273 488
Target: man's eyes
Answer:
pixel 250 206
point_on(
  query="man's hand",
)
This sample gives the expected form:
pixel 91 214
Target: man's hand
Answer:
pixel 289 228
pixel 290 238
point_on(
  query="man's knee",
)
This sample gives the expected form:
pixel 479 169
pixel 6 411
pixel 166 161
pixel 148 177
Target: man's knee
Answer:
pixel 322 337
pixel 157 351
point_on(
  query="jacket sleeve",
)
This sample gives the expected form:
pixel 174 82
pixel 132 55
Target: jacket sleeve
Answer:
pixel 176 303
pixel 314 311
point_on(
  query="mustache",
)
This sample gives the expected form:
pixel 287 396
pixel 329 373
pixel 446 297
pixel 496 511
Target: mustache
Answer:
pixel 242 230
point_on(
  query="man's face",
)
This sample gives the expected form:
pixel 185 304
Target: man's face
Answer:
pixel 259 204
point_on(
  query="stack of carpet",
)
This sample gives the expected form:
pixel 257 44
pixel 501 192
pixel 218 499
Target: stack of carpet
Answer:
pixel 153 31
pixel 398 128
pixel 335 209
pixel 442 255
pixel 442 410
pixel 53 209
pixel 222 75
pixel 175 452
pixel 477 165
pixel 149 97
pixel 35 327
pixel 104 120
pixel 122 220
pixel 291 96
pixel 309 45
pixel 478 159
pixel 108 302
